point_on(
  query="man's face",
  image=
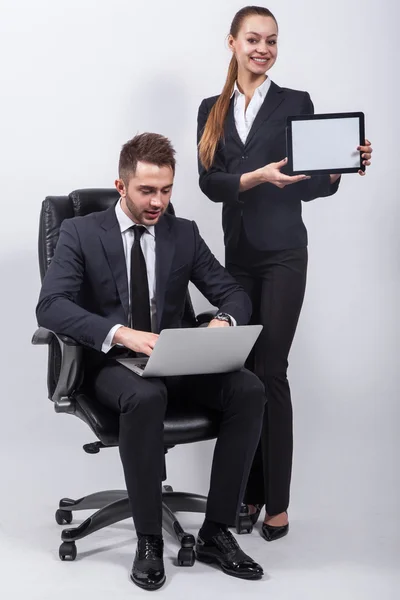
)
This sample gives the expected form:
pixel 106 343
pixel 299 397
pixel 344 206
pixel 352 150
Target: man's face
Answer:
pixel 148 193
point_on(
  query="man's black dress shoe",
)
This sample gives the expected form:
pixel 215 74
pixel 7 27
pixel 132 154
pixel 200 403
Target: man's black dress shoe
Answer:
pixel 273 532
pixel 148 566
pixel 223 550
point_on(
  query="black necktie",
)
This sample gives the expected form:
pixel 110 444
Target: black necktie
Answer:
pixel 140 302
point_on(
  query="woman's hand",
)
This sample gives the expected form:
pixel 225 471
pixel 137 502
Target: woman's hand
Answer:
pixel 269 174
pixel 272 174
pixel 366 155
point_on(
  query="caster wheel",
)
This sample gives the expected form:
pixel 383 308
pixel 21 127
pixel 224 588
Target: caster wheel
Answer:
pixel 67 551
pixel 63 517
pixel 186 557
pixel 167 488
pixel 244 524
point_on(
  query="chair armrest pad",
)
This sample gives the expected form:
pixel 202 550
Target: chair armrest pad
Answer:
pixel 44 336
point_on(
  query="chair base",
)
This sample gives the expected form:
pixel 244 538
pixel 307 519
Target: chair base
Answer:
pixel 113 506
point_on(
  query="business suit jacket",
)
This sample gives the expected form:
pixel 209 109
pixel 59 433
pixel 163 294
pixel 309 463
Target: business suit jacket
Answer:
pixel 85 290
pixel 271 216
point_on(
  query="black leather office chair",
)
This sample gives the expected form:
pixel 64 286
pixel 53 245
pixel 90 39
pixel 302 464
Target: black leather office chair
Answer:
pixel 64 378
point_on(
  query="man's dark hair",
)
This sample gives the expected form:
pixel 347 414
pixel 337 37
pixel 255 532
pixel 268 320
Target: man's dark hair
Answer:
pixel 146 147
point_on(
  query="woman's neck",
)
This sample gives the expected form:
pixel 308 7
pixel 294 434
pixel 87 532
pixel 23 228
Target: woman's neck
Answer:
pixel 248 83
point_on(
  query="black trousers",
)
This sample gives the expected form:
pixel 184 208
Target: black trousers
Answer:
pixel 275 282
pixel 141 402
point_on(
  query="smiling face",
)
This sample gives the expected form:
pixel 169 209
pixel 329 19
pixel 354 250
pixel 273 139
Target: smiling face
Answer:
pixel 255 45
pixel 146 196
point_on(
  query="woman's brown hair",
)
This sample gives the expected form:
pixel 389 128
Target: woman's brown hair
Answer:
pixel 214 128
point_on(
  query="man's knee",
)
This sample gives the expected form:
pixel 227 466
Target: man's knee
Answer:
pixel 249 391
pixel 150 399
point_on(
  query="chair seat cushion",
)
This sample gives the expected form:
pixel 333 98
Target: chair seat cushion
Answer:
pixel 184 423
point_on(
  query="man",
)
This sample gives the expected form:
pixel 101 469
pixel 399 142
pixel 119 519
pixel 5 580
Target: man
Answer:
pixel 118 278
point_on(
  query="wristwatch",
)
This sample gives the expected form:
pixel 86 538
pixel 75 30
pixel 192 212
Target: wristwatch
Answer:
pixel 224 317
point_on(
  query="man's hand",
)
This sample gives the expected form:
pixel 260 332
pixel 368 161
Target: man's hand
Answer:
pixel 138 341
pixel 218 323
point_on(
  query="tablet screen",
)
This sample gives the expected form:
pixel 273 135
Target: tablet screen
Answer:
pixel 325 144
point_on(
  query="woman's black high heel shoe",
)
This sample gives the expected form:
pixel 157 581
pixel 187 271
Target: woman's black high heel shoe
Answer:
pixel 274 532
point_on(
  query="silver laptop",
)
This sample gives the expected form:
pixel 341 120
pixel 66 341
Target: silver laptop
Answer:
pixel 196 351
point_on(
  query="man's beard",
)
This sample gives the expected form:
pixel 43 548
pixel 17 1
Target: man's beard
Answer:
pixel 132 209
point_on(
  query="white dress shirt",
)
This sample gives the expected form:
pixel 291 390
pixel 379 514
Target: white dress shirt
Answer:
pixel 244 118
pixel 148 245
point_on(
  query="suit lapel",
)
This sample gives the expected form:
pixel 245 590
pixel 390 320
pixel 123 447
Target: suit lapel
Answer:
pixel 165 249
pixel 111 238
pixel 230 126
pixel 273 99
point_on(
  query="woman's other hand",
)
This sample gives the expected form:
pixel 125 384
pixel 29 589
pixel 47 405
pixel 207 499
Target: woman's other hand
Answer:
pixel 366 155
pixel 366 158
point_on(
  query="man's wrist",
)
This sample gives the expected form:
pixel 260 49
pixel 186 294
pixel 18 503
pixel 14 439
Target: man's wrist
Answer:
pixel 109 341
pixel 225 317
pixel 120 335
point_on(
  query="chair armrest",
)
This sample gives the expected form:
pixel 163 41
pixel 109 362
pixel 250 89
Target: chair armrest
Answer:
pixel 202 319
pixel 44 336
pixel 71 368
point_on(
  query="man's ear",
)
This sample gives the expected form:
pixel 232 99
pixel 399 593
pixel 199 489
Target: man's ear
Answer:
pixel 120 187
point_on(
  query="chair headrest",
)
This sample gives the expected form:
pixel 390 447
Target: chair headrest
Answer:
pixel 88 201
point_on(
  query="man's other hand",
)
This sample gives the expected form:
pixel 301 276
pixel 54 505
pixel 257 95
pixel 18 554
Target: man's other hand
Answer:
pixel 218 323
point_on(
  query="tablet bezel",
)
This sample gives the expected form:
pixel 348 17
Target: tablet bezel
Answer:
pixel 313 117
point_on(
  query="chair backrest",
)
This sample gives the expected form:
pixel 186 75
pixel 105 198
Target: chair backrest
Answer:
pixel 57 208
pixel 77 204
pixel 54 210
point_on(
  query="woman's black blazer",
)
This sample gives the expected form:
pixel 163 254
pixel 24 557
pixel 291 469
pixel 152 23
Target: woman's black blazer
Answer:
pixel 271 216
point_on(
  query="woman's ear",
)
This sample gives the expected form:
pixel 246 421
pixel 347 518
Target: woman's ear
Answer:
pixel 231 43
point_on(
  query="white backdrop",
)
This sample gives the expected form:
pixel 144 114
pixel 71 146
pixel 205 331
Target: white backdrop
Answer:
pixel 78 79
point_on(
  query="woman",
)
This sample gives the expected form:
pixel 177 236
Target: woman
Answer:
pixel 242 146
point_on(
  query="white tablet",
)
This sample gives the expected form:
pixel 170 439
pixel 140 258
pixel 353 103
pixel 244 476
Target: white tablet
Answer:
pixel 319 144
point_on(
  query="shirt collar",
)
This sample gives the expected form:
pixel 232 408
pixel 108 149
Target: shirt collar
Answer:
pixel 125 222
pixel 261 90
